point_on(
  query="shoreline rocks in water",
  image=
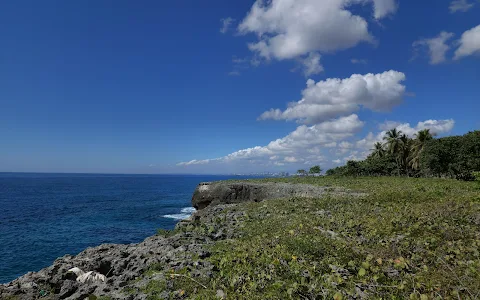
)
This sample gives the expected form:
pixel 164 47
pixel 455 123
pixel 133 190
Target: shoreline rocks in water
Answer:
pixel 125 266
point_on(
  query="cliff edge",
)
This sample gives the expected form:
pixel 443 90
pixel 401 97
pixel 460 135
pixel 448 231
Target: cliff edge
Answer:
pixel 128 269
pixel 228 192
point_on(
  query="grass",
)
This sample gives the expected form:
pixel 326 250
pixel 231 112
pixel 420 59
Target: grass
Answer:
pixel 407 239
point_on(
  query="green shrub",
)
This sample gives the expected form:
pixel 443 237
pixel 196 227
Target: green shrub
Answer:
pixel 476 175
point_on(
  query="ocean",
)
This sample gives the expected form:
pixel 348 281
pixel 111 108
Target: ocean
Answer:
pixel 45 216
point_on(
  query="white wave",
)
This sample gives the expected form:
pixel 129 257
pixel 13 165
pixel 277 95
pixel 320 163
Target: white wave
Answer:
pixel 188 210
pixel 185 213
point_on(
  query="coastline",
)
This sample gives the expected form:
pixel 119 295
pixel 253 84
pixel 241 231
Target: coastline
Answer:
pixel 184 247
pixel 342 243
pixel 45 216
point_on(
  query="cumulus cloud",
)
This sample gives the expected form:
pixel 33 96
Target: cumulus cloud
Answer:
pixel 387 125
pixel 302 145
pixel 311 64
pixel 226 24
pixel 436 127
pixel 339 97
pixel 291 28
pixel 362 147
pixel 329 143
pixel 437 46
pixel 469 43
pixel 384 8
pixel 460 5
pixel 290 159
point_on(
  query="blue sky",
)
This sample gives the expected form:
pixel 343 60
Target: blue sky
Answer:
pixel 204 87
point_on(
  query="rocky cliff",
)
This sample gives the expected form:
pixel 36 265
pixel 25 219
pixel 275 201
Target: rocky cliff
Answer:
pixel 226 192
pixel 126 267
pixel 129 268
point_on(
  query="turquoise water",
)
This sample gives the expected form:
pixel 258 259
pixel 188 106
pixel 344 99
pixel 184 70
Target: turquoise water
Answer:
pixel 45 216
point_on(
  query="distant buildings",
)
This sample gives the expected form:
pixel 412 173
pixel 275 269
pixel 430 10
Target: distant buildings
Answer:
pixel 266 174
pixel 308 174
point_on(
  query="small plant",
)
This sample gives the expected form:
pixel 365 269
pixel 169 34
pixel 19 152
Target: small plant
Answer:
pixel 476 175
pixel 165 233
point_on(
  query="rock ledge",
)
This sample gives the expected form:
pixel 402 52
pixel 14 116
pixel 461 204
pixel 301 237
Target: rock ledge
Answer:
pixel 227 192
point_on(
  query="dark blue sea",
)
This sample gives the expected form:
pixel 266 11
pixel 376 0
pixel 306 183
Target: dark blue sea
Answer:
pixel 45 216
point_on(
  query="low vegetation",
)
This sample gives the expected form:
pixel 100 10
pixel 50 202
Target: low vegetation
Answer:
pixel 409 238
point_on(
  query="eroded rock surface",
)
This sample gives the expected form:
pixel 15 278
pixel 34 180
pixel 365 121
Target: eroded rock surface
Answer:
pixel 227 192
pixel 126 266
pixel 123 265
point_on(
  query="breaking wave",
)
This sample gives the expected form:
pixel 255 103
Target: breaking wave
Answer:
pixel 185 213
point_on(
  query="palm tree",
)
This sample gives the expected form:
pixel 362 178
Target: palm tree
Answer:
pixel 378 150
pixel 392 138
pixel 404 152
pixel 393 143
pixel 418 144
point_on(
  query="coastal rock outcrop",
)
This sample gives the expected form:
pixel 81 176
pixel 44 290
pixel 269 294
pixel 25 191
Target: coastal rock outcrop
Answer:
pixel 128 269
pixel 227 192
pixel 125 266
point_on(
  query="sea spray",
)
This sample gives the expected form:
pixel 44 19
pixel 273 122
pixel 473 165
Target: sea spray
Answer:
pixel 185 213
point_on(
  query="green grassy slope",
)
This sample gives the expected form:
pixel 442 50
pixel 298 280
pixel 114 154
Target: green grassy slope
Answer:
pixel 407 239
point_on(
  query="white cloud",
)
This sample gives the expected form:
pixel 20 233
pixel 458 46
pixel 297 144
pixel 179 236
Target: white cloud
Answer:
pixel 460 5
pixel 469 43
pixel 195 162
pixel 387 125
pixel 355 155
pixel 358 61
pixel 290 159
pixel 291 28
pixel 345 145
pixel 362 148
pixel 234 73
pixel 226 23
pixel 384 8
pixel 368 141
pixel 335 97
pixel 304 144
pixel 311 64
pixel 328 143
pixel 435 126
pixel 437 46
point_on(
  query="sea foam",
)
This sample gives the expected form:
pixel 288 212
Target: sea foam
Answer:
pixel 185 213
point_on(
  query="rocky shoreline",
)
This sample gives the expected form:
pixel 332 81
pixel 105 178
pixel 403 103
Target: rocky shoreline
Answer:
pixel 126 267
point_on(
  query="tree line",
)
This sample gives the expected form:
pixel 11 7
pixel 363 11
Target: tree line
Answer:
pixel 420 156
pixel 313 170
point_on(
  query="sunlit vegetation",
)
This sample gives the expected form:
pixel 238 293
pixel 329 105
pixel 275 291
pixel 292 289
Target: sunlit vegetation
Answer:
pixel 407 238
pixel 422 156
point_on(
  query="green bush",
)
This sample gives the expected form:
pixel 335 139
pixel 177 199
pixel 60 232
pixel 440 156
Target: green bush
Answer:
pixel 476 175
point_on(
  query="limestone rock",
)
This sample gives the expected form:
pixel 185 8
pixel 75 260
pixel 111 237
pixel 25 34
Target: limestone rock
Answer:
pixel 227 192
